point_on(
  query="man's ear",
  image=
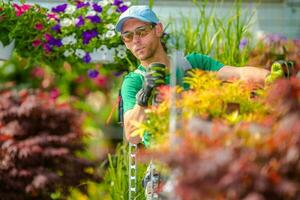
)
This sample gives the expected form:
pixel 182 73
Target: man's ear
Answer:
pixel 159 30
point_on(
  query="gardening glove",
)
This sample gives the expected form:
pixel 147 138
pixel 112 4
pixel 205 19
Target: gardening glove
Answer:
pixel 276 73
pixel 154 77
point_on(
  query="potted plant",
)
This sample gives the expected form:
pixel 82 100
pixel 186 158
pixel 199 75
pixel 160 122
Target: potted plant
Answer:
pixel 28 32
pixel 21 26
pixel 83 32
pixel 7 22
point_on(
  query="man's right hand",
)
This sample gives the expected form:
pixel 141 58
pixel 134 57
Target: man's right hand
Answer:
pixel 154 77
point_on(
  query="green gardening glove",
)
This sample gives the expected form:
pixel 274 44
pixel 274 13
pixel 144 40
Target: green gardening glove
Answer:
pixel 276 73
pixel 154 77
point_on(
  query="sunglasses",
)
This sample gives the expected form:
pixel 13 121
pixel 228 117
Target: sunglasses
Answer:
pixel 141 31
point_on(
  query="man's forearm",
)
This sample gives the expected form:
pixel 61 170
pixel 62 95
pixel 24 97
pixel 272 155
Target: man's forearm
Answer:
pixel 254 74
pixel 136 114
pixel 247 73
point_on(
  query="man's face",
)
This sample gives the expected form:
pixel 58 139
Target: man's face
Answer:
pixel 141 38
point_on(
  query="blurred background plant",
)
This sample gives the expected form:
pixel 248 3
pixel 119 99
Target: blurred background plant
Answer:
pixel 273 47
pixel 226 38
pixel 40 141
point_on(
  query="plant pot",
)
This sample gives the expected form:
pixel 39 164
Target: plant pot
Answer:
pixel 6 51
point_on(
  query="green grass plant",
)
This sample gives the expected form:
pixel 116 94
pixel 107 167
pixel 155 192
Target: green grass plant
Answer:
pixel 213 34
pixel 115 183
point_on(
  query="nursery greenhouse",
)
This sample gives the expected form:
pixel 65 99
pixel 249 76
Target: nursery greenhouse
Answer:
pixel 149 100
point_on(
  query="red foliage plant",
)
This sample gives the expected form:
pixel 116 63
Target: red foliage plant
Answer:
pixel 38 142
pixel 272 48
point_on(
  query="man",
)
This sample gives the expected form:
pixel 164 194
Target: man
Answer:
pixel 141 32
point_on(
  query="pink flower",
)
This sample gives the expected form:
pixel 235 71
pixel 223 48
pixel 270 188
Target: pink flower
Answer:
pixel 51 16
pixel 80 79
pixel 101 81
pixel 36 43
pixel 54 93
pixel 38 72
pixel 39 26
pixel 47 37
pixel 21 9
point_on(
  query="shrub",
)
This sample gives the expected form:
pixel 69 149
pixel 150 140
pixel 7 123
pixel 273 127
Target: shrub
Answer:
pixel 39 139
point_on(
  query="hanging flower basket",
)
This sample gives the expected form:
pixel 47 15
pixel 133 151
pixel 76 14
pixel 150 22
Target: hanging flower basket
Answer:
pixel 6 51
pixel 84 32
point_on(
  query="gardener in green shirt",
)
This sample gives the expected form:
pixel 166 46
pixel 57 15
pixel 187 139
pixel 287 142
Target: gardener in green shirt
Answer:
pixel 141 32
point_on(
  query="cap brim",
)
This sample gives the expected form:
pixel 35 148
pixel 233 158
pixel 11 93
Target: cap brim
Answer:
pixel 121 22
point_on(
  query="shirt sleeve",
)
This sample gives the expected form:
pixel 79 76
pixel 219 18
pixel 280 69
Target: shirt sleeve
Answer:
pixel 204 62
pixel 130 87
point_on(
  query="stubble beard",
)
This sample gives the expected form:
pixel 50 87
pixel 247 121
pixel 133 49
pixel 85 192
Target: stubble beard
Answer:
pixel 148 56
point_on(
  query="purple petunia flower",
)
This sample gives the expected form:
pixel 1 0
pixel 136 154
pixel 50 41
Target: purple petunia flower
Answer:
pixel 97 8
pixel 87 58
pixel 80 21
pixel 88 35
pixel 94 19
pixel 117 2
pixel 243 43
pixel 274 38
pixel 92 73
pixel 47 48
pixel 56 28
pixel 122 9
pixel 82 4
pixel 55 42
pixel 59 8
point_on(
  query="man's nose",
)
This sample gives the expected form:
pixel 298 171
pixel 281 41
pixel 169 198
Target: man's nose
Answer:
pixel 136 38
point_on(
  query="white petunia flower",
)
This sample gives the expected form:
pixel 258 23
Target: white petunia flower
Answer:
pixel 91 13
pixel 110 26
pixel 127 3
pixel 80 53
pixel 65 22
pixel 103 48
pixel 68 52
pixel 110 34
pixel 69 40
pixel 121 54
pixel 121 48
pixel 105 2
pixel 70 9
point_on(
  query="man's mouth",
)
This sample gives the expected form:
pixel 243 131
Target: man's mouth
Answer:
pixel 139 49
